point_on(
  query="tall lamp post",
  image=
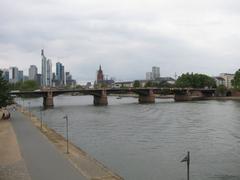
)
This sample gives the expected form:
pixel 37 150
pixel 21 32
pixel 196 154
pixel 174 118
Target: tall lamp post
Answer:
pixel 66 117
pixel 187 159
pixel 41 117
pixel 22 104
pixel 29 103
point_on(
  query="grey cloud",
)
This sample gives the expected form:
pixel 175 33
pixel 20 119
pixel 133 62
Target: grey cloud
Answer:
pixel 126 40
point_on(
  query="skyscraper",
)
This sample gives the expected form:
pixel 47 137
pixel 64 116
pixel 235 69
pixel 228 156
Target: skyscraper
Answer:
pixel 32 72
pixel 44 69
pixel 60 73
pixel 149 76
pixel 13 74
pixel 49 72
pixel 5 74
pixel 155 72
pixel 20 76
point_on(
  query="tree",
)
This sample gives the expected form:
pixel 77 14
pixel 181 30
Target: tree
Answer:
pixel 136 84
pixel 29 85
pixel 195 81
pixel 221 90
pixel 236 80
pixel 5 98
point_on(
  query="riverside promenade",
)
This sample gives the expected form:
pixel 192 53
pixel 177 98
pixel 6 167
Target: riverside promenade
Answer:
pixel 28 153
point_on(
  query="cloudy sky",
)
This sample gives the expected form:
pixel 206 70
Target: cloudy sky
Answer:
pixel 127 37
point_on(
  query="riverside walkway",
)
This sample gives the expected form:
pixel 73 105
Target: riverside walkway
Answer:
pixel 41 159
pixel 30 153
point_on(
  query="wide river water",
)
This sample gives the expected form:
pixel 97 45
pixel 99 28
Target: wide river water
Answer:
pixel 147 142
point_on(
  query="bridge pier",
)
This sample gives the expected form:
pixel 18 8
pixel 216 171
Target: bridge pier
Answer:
pixel 48 100
pixel 100 99
pixel 147 98
pixel 188 96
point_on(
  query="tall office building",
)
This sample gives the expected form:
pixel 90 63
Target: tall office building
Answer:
pixel 49 72
pixel 155 72
pixel 44 69
pixel 13 74
pixel 149 76
pixel 60 74
pixel 5 74
pixel 20 76
pixel 32 72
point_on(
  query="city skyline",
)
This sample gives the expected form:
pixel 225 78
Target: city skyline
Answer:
pixel 201 37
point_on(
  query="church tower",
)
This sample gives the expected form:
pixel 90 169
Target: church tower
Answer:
pixel 100 75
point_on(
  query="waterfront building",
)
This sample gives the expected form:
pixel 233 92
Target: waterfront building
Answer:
pixel 219 81
pixel 155 72
pixel 228 79
pixel 32 72
pixel 13 75
pixel 44 69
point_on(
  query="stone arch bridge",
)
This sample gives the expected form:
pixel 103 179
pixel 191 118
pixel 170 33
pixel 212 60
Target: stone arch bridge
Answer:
pixel 146 95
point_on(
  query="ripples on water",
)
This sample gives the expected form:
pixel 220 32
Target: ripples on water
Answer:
pixel 147 142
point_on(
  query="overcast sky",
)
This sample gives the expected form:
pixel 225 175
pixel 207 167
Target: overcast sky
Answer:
pixel 127 37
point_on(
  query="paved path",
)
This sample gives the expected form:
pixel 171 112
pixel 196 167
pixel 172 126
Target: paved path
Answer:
pixel 42 159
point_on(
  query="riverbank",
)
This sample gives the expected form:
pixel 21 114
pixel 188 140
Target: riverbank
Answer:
pixel 88 166
pixel 12 164
pixel 223 98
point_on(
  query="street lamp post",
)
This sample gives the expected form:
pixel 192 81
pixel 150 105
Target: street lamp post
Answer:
pixel 187 160
pixel 22 104
pixel 41 117
pixel 66 117
pixel 29 103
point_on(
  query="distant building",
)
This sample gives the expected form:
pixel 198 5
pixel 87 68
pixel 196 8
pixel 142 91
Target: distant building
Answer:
pixel 49 73
pixel 69 81
pixel 5 74
pixel 168 80
pixel 13 75
pixel 60 79
pixel 44 69
pixel 25 78
pixel 149 76
pixel 88 85
pixel 228 79
pixel 39 79
pixel 32 72
pixel 20 76
pixel 155 72
pixel 219 80
pixel 123 84
pixel 101 82
pixel 100 76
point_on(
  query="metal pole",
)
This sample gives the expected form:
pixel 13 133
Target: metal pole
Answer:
pixel 41 116
pixel 29 110
pixel 66 117
pixel 188 165
pixel 22 104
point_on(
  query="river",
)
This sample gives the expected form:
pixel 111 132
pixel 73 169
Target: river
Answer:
pixel 147 142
